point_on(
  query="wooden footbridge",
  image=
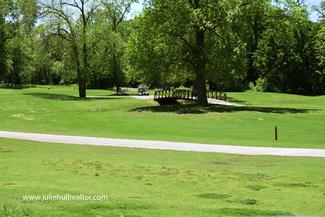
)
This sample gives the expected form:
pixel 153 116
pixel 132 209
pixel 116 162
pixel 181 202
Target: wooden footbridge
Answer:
pixel 171 96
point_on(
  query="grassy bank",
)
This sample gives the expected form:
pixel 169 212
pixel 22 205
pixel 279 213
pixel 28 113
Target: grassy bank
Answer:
pixel 300 119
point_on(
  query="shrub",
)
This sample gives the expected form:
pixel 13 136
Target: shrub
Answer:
pixel 260 86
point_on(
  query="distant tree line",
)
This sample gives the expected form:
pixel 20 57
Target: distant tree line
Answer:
pixel 223 45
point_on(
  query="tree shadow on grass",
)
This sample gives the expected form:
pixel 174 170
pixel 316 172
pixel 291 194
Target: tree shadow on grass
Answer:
pixel 55 96
pixel 231 99
pixel 15 86
pixel 194 108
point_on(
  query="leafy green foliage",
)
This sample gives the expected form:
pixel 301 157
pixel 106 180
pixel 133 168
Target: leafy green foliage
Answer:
pixel 320 55
pixel 286 52
pixel 163 48
pixel 223 45
pixel 260 86
pixel 17 18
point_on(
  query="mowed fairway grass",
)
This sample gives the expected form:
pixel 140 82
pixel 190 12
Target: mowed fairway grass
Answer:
pixel 57 110
pixel 156 183
pixel 160 183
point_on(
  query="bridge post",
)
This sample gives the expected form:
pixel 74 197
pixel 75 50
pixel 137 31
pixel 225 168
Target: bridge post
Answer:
pixel 225 97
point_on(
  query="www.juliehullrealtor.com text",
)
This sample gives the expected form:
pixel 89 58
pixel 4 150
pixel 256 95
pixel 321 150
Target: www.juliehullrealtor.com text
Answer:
pixel 64 197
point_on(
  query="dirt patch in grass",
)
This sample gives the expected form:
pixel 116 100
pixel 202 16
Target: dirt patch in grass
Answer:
pixel 265 165
pixel 24 117
pixel 128 208
pixel 250 212
pixel 221 163
pixel 256 187
pixel 79 167
pixel 296 184
pixel 248 201
pixel 167 171
pixel 98 110
pixel 2 150
pixel 8 184
pixel 214 195
pixel 255 176
pixel 124 206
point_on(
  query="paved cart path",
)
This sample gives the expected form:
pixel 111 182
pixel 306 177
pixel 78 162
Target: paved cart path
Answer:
pixel 164 145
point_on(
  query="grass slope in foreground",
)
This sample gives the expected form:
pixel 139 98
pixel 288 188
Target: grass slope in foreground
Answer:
pixel 300 119
pixel 157 183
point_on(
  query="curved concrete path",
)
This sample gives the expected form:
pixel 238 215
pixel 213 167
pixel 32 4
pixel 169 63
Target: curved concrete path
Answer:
pixel 163 145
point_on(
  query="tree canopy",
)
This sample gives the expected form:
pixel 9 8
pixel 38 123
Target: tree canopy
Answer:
pixel 204 45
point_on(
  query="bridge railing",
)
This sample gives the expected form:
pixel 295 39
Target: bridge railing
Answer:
pixel 160 94
pixel 217 95
pixel 187 95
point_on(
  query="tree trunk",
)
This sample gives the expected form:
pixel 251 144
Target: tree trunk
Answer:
pixel 3 52
pixel 82 89
pixel 3 67
pixel 84 70
pixel 200 64
pixel 115 69
pixel 200 68
pixel 251 72
pixel 252 75
pixel 80 73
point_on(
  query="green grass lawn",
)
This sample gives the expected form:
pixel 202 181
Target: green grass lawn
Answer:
pixel 160 183
pixel 300 119
pixel 156 183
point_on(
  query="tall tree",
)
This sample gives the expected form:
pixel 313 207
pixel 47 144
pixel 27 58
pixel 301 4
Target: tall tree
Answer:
pixel 250 21
pixel 320 49
pixel 182 30
pixel 17 17
pixel 8 28
pixel 72 20
pixel 116 12
pixel 286 55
